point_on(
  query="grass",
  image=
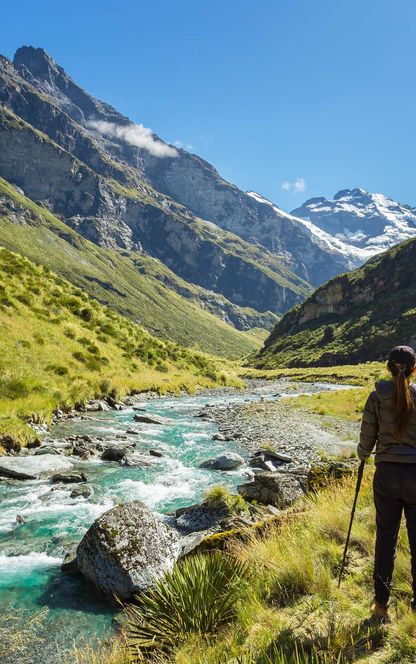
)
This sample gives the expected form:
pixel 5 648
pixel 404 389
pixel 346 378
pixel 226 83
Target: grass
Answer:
pixel 289 608
pixel 345 404
pixel 60 348
pixel 135 285
pixel 352 318
pixel 219 496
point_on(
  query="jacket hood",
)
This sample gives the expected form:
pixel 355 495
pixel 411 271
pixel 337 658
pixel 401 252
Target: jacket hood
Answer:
pixel 385 389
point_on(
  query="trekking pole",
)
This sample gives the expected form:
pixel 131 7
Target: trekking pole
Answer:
pixel 357 491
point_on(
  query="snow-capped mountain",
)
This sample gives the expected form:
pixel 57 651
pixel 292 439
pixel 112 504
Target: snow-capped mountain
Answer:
pixel 331 243
pixel 355 217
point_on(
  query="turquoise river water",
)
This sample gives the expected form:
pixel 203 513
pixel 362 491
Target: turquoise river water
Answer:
pixel 31 552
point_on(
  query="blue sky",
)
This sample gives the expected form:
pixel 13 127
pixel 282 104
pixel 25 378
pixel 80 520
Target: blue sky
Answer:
pixel 290 98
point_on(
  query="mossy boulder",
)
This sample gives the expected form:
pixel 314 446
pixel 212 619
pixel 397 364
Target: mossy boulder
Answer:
pixel 126 550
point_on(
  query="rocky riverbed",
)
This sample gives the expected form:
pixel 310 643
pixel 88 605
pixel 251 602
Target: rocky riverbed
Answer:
pixel 272 422
pixel 165 452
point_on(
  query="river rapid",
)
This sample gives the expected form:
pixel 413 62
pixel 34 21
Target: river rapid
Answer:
pixel 39 520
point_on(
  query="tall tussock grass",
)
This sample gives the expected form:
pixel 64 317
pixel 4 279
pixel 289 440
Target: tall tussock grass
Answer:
pixel 274 598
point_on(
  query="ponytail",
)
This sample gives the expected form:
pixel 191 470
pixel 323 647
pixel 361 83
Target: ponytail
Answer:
pixel 403 405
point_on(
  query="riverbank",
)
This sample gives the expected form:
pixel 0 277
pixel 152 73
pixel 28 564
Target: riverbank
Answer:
pixel 275 423
pixel 40 520
pixel 61 348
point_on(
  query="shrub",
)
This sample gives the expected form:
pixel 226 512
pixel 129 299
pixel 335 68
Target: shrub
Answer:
pixel 70 333
pixel 197 597
pixel 218 496
pixel 58 369
pixel 13 388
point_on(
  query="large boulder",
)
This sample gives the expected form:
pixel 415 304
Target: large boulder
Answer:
pixel 126 549
pixel 33 467
pixel 225 461
pixel 273 488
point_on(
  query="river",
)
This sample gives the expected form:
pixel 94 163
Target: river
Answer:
pixel 32 547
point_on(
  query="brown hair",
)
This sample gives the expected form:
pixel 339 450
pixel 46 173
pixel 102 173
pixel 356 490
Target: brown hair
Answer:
pixel 402 398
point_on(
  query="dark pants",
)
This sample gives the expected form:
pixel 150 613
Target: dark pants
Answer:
pixel 394 491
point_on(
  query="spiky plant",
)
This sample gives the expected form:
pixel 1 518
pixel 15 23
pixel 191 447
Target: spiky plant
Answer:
pixel 197 597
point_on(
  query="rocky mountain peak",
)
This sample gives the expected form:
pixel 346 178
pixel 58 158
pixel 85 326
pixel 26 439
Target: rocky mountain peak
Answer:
pixel 38 62
pixel 372 222
pixel 357 192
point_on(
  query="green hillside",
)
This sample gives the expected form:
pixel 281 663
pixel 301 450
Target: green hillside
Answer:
pixel 355 317
pixel 133 284
pixel 61 347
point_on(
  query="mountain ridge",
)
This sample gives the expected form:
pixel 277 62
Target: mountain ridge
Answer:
pixel 210 197
pixel 371 222
pixel 355 317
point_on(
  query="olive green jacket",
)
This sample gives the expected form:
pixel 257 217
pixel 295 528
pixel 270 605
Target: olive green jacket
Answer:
pixel 377 428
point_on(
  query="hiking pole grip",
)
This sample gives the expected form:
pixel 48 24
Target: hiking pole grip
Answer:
pixel 347 541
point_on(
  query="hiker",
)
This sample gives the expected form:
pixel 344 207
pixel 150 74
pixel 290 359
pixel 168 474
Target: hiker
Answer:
pixel 389 425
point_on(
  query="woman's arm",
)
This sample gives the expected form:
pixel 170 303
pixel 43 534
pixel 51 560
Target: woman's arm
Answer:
pixel 369 428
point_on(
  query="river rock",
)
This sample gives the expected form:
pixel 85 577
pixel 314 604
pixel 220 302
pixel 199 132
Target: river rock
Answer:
pixel 219 436
pixel 155 453
pixel 151 419
pixel 48 449
pixel 70 565
pixel 114 454
pixel 273 488
pixel 69 478
pixel 32 467
pixel 135 459
pixel 96 405
pixel 81 491
pixel 199 517
pixel 225 461
pixel 127 549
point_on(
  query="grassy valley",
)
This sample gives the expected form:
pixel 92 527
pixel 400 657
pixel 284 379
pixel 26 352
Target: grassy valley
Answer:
pixel 133 285
pixel 60 347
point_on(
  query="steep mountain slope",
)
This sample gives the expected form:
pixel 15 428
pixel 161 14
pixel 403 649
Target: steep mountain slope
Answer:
pixel 135 285
pixel 100 352
pixel 353 318
pixel 36 89
pixel 371 222
pixel 115 207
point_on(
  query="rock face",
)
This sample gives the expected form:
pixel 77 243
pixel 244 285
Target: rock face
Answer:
pixel 126 550
pixel 83 150
pixel 32 467
pixel 225 461
pixel 273 488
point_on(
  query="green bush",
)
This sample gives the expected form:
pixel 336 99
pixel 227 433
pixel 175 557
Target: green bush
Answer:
pixel 13 388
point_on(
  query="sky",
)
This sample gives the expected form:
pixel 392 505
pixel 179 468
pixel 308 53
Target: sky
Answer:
pixel 289 98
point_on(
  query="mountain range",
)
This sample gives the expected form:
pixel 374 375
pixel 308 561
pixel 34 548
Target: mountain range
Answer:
pixel 154 231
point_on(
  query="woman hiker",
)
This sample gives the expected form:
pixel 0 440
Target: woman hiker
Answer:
pixel 389 425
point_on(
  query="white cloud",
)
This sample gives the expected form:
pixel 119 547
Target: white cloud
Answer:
pixel 295 187
pixel 137 135
pixel 184 146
